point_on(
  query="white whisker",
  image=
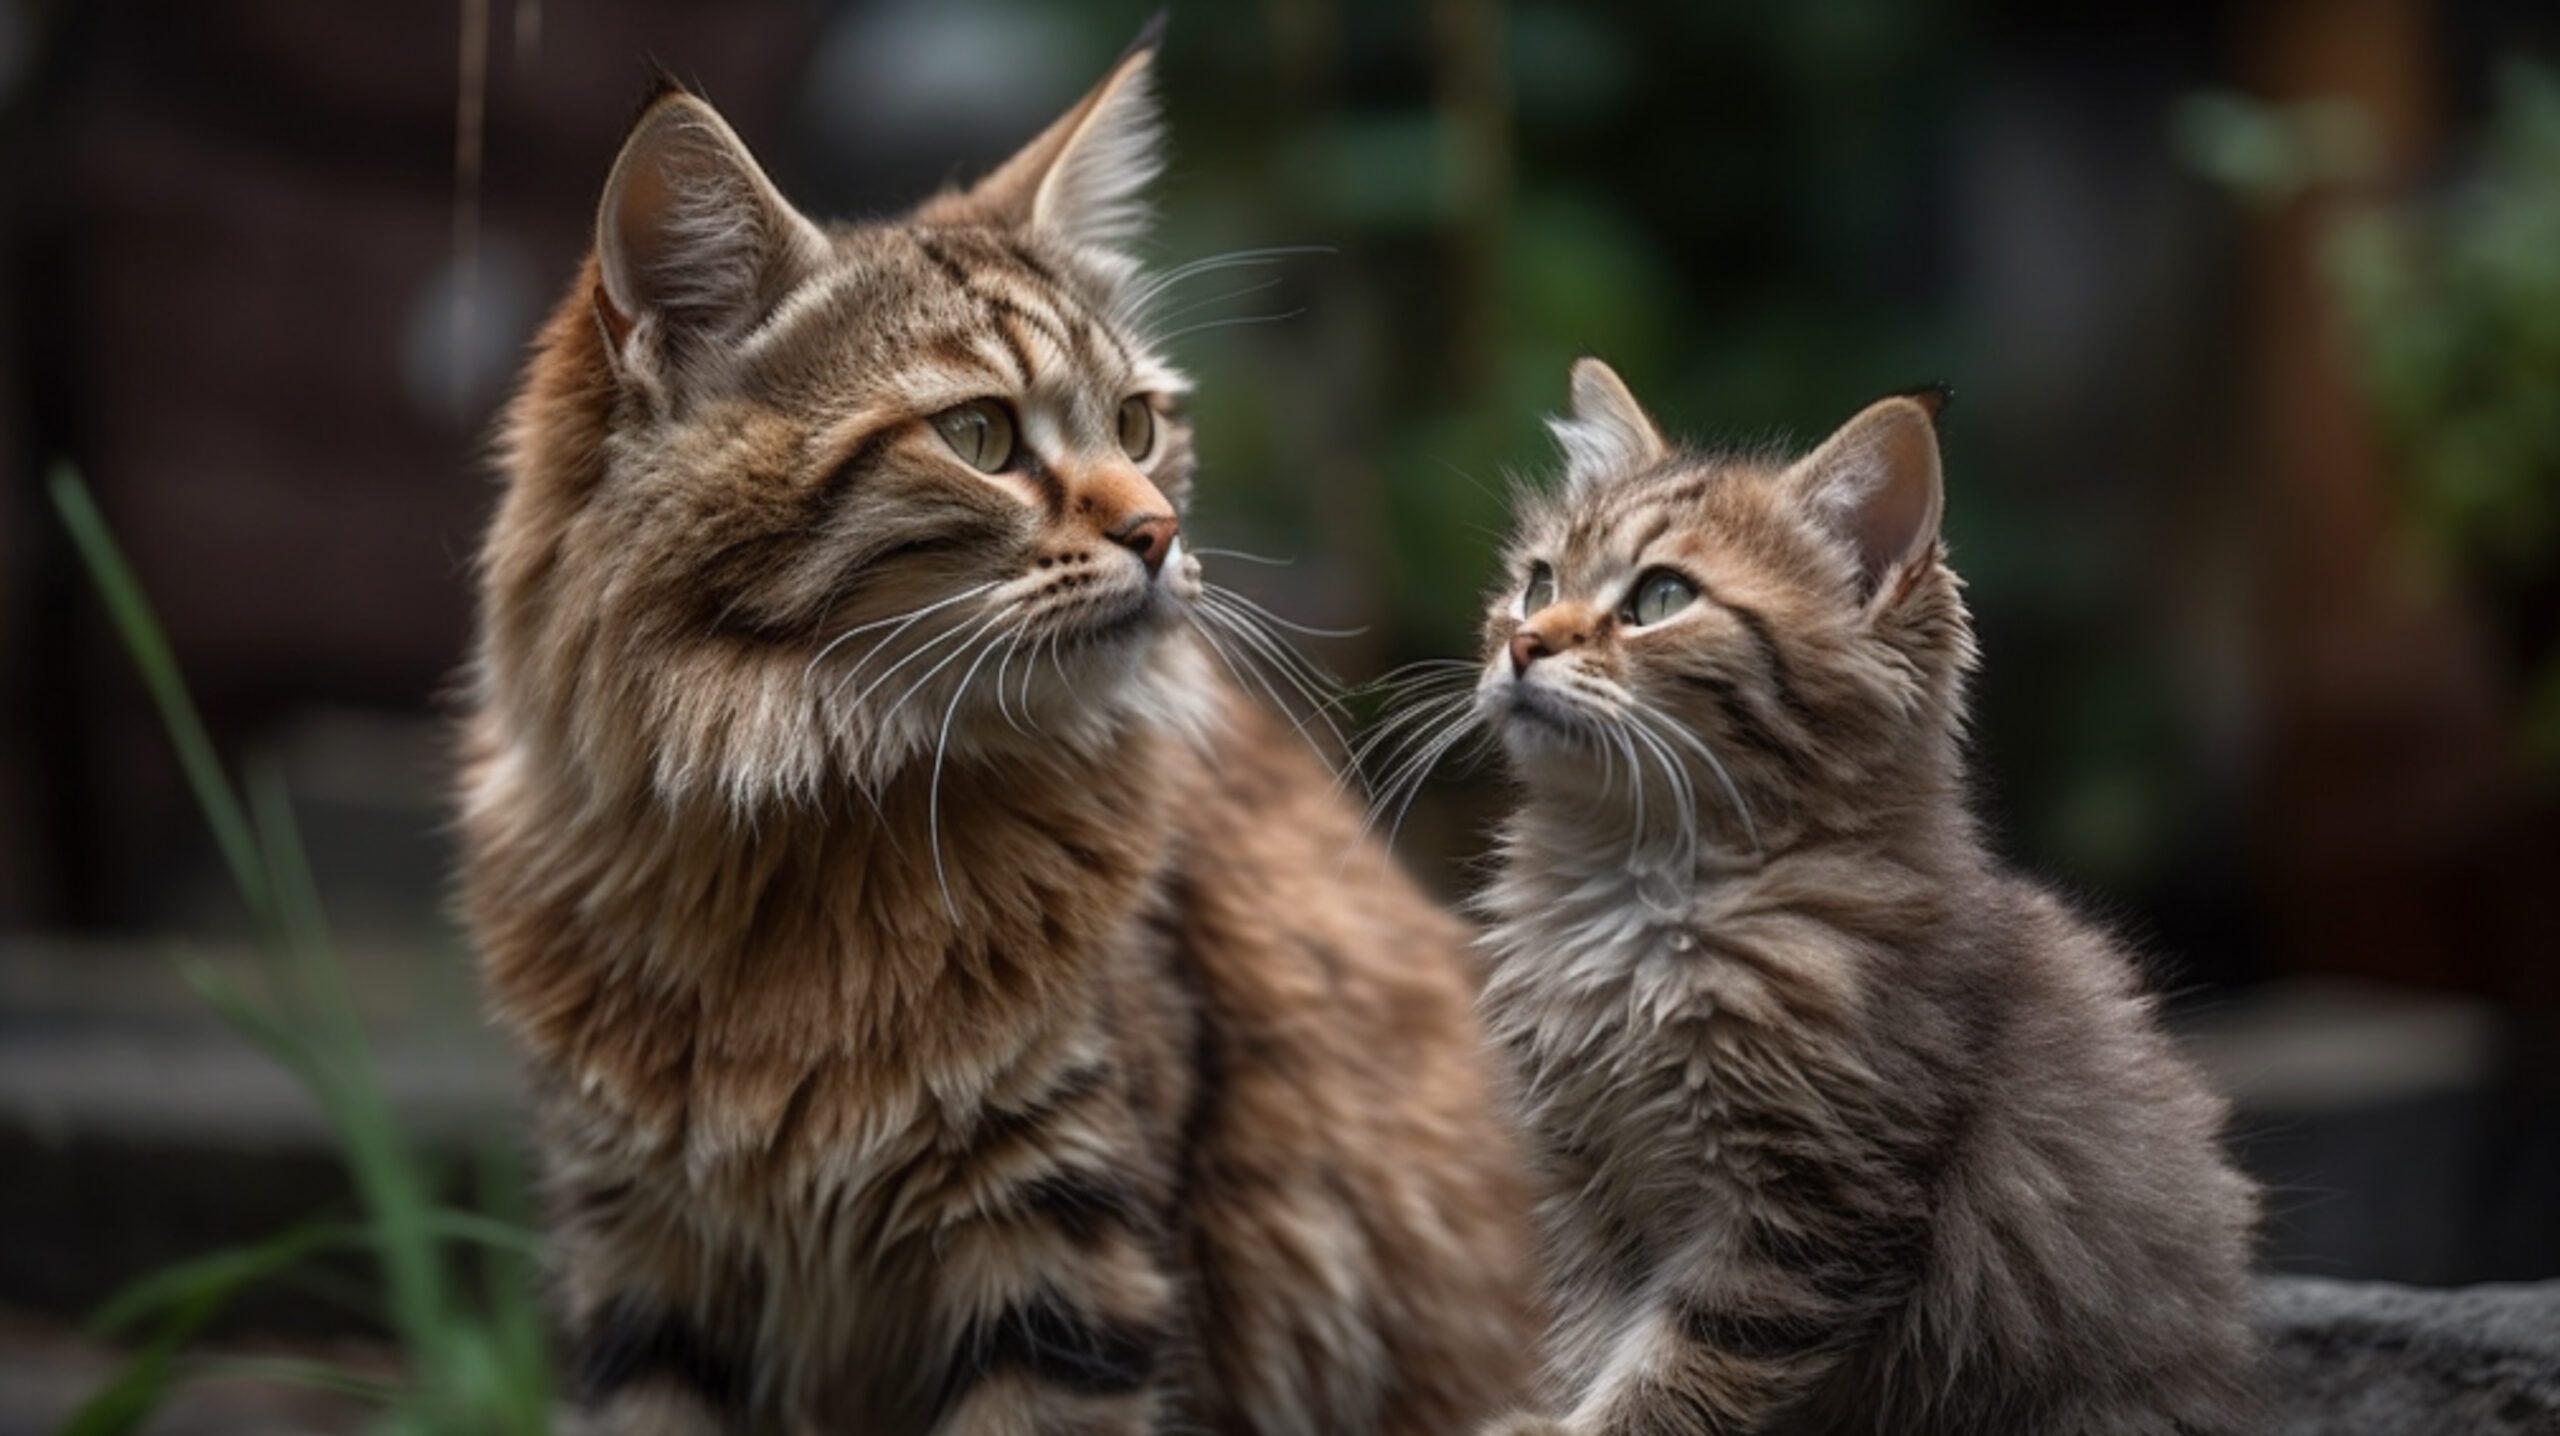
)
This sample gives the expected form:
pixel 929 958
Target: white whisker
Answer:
pixel 1208 325
pixel 1231 596
pixel 933 785
pixel 1241 554
pixel 903 620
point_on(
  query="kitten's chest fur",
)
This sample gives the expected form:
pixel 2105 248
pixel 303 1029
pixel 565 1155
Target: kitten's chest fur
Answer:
pixel 1666 1027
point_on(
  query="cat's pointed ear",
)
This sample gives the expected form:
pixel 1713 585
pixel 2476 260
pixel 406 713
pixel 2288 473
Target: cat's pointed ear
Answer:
pixel 693 242
pixel 1084 179
pixel 1876 484
pixel 1605 431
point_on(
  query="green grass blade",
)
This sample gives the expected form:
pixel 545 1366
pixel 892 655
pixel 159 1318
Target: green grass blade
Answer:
pixel 287 1371
pixel 387 1173
pixel 143 638
pixel 128 1399
pixel 497 1234
pixel 507 1276
pixel 216 1274
pixel 471 1372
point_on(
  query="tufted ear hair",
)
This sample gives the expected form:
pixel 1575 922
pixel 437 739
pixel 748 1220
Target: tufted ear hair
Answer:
pixel 1084 179
pixel 1604 432
pixel 1876 486
pixel 693 242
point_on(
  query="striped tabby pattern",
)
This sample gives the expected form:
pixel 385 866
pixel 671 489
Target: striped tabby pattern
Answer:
pixel 951 1004
pixel 1846 1129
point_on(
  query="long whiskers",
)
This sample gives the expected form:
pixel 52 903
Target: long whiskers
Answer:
pixel 1132 308
pixel 1240 632
pixel 1228 323
pixel 942 746
pixel 904 621
pixel 1231 596
pixel 1247 557
pixel 1433 710
pixel 1668 731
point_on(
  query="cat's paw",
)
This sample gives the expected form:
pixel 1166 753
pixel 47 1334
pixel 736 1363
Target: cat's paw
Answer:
pixel 1526 1423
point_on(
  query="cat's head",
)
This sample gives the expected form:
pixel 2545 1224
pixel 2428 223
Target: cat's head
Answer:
pixel 792 504
pixel 1732 635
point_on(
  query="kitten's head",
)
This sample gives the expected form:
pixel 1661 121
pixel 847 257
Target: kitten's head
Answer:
pixel 793 504
pixel 1775 646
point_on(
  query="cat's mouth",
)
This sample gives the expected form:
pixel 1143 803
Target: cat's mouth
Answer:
pixel 1122 616
pixel 1538 713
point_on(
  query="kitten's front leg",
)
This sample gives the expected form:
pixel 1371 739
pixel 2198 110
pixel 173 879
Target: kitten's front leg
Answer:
pixel 1703 1363
pixel 1526 1423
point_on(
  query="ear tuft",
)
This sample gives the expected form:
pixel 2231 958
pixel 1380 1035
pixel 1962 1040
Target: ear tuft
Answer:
pixel 1876 485
pixel 1605 432
pixel 691 234
pixel 1084 179
pixel 1936 396
pixel 660 83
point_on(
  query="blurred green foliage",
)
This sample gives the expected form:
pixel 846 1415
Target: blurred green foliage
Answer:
pixel 2453 306
pixel 2457 307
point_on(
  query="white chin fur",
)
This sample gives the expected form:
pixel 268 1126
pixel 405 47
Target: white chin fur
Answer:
pixel 789 742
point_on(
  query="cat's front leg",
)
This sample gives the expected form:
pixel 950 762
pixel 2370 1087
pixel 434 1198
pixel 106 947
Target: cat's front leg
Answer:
pixel 1026 1403
pixel 1067 1327
pixel 1051 1368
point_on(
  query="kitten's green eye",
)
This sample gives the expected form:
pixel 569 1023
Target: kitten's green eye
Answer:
pixel 1137 427
pixel 980 432
pixel 1658 595
pixel 1541 590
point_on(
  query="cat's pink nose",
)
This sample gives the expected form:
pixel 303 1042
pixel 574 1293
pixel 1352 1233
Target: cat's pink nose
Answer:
pixel 1527 647
pixel 1149 537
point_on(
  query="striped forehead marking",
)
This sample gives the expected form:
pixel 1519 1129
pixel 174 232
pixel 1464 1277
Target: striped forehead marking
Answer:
pixel 1034 299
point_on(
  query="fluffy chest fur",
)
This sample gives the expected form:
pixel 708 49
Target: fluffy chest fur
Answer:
pixel 775 1065
pixel 1668 1023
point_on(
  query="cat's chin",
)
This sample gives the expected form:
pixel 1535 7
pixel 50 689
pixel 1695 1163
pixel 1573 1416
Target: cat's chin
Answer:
pixel 1540 717
pixel 1537 727
pixel 1146 613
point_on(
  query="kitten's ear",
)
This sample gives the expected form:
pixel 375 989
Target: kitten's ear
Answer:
pixel 1084 178
pixel 693 242
pixel 1605 431
pixel 1876 484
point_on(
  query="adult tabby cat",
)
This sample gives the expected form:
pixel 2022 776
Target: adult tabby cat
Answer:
pixel 952 1007
pixel 1848 1129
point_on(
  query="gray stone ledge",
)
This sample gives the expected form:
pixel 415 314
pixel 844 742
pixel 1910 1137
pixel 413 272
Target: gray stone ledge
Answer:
pixel 2371 1359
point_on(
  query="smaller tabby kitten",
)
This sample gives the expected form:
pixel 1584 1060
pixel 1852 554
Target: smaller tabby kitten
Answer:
pixel 1847 1129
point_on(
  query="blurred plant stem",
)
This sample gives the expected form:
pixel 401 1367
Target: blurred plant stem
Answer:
pixel 476 1362
pixel 1475 136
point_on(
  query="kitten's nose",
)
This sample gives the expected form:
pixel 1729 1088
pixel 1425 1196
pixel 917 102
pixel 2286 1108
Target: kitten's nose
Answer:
pixel 1527 647
pixel 1150 537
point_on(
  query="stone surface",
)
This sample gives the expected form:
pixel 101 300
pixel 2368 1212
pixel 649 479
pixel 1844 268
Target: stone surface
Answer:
pixel 2370 1359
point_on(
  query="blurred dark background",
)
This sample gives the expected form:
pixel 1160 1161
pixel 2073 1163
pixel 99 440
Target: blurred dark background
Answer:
pixel 2252 308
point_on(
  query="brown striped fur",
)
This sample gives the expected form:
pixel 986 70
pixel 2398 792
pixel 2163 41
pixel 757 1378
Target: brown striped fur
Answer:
pixel 1023 1043
pixel 1847 1129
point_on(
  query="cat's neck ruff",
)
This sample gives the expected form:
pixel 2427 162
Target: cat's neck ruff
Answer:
pixel 925 937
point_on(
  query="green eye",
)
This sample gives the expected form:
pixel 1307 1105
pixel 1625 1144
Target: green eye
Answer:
pixel 1658 595
pixel 1541 590
pixel 980 432
pixel 1137 427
